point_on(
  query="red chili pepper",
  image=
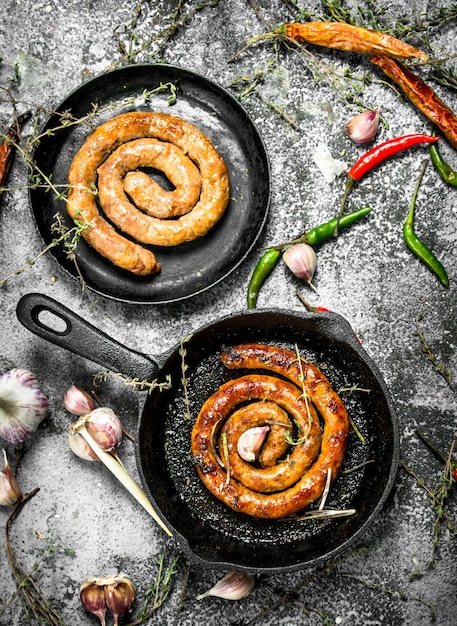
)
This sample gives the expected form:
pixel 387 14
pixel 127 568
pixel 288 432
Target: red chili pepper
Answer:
pixel 384 150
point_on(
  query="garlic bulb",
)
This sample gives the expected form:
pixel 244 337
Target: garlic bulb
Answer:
pixel 10 492
pixel 104 426
pixel 23 406
pixel 363 127
pixel 234 586
pixel 78 401
pixel 249 443
pixel 92 596
pixel 115 593
pixel 301 260
pixel 80 447
pixel 119 595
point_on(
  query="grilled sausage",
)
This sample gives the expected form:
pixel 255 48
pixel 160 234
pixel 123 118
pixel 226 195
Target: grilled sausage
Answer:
pixel 117 176
pixel 82 178
pixel 311 482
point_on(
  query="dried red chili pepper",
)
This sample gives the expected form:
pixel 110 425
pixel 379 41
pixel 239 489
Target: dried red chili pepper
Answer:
pixel 7 148
pixel 351 38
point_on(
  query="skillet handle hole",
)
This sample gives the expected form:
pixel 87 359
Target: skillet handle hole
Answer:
pixel 51 321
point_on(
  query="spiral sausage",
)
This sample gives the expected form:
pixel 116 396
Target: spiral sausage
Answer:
pixel 283 499
pixel 82 178
pixel 118 175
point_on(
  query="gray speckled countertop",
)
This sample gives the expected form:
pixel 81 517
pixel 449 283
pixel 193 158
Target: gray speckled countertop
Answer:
pixel 367 275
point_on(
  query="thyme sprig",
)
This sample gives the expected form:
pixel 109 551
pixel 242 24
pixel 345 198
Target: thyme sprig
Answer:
pixel 69 237
pixel 430 354
pixel 159 589
pixel 135 383
pixel 439 498
pixel 184 379
pixel 35 604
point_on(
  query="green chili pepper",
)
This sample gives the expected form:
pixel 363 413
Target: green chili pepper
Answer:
pixel 442 167
pixel 415 245
pixel 265 265
pixel 314 236
pixel 325 231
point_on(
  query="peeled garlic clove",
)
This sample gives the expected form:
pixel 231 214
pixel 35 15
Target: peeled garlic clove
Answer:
pixel 250 442
pixel 301 260
pixel 363 127
pixel 10 492
pixel 81 448
pixel 92 595
pixel 105 427
pixel 78 401
pixel 119 595
pixel 23 406
pixel 234 586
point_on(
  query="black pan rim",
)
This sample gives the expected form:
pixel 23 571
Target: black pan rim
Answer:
pixel 234 262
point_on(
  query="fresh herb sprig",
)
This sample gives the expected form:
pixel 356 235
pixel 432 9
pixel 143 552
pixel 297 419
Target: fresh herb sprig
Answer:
pixel 430 353
pixel 159 589
pixel 439 499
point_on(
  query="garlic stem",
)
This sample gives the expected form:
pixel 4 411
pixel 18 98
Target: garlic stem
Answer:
pixel 123 476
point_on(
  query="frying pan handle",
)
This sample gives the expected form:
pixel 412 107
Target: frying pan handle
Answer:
pixel 54 322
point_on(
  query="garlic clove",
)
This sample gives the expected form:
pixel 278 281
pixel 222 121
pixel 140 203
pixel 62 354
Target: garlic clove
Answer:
pixel 10 492
pixel 249 443
pixel 80 447
pixel 363 127
pixel 23 406
pixel 119 595
pixel 234 586
pixel 78 401
pixel 301 260
pixel 105 427
pixel 92 595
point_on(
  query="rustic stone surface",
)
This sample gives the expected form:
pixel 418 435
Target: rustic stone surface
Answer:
pixel 367 275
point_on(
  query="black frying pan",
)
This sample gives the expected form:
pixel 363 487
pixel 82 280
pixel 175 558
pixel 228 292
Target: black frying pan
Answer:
pixel 192 267
pixel 207 530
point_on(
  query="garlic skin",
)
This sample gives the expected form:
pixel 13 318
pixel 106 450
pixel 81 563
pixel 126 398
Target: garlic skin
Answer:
pixel 92 596
pixel 105 427
pixel 10 492
pixel 80 447
pixel 234 586
pixel 329 167
pixel 119 595
pixel 78 401
pixel 116 593
pixel 301 260
pixel 363 127
pixel 249 443
pixel 23 406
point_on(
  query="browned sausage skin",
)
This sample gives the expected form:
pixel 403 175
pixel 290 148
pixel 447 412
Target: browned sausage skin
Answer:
pixel 82 178
pixel 119 174
pixel 311 483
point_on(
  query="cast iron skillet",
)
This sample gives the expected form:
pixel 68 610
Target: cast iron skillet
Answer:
pixel 206 530
pixel 190 268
